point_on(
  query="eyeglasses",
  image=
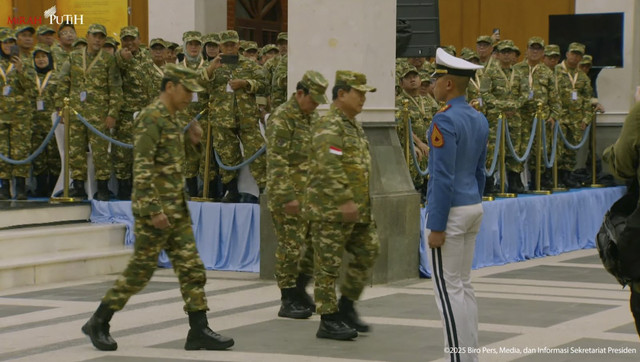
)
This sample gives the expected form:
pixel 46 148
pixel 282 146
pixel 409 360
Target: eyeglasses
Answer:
pixel 67 32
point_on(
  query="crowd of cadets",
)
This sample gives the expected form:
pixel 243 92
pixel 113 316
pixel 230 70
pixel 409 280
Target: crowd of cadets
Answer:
pixel 107 81
pixel 511 89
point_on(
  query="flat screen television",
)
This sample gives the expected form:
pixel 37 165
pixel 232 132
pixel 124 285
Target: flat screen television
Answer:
pixel 602 34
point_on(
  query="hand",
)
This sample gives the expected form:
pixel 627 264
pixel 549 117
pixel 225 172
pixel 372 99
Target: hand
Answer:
pixel 17 63
pixel 583 125
pixel 214 64
pixel 292 207
pixel 423 147
pixel 160 221
pixel 349 211
pixel 551 121
pixel 126 54
pixel 599 108
pixel 418 154
pixel 436 239
pixel 236 84
pixel 195 133
pixel 110 122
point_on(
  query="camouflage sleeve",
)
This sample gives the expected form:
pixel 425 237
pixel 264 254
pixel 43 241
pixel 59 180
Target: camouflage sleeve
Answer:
pixel 114 88
pixel 400 121
pixel 145 142
pixel 486 85
pixel 624 155
pixel 328 136
pixel 585 95
pixel 279 140
pixel 267 75
pixel 555 107
pixel 257 84
pixel 63 81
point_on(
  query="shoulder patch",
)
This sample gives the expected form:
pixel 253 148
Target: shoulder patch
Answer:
pixel 436 137
pixel 444 108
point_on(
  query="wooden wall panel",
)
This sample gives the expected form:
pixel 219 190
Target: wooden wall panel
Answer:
pixel 139 16
pixel 29 8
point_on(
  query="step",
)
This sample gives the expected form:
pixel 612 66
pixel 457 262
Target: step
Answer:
pixel 15 213
pixel 63 266
pixel 45 240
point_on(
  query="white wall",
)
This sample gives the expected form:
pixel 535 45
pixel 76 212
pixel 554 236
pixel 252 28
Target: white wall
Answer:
pixel 359 35
pixel 168 19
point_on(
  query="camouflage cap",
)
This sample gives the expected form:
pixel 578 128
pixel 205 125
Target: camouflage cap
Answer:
pixel 551 49
pixel 7 34
pixel 171 45
pixel 192 35
pixel 586 59
pixel 242 44
pixel 185 76
pixel 22 28
pixel 484 39
pixel 229 36
pixel 44 29
pixel 355 80
pixel 403 69
pixel 517 50
pixel 129 31
pixel 577 47
pixel 506 45
pixel 535 40
pixel 425 74
pixel 317 86
pixel 41 47
pixel 157 41
pixel 468 54
pixel 267 48
pixel 179 50
pixel 251 45
pixel 79 40
pixel 450 49
pixel 282 37
pixel 97 28
pixel 111 41
pixel 211 38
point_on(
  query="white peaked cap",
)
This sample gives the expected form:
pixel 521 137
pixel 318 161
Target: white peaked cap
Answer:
pixel 449 64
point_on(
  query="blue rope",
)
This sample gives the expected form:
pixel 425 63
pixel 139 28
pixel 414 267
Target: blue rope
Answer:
pixel 37 152
pixel 554 144
pixel 579 145
pixel 102 135
pixel 413 153
pixel 186 128
pixel 244 163
pixel 529 145
pixel 496 150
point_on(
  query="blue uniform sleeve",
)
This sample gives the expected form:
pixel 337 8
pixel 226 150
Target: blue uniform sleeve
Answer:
pixel 442 159
pixel 480 169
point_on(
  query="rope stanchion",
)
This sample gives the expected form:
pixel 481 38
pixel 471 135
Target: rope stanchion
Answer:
pixel 503 170
pixel 594 182
pixel 550 160
pixel 207 161
pixel 529 145
pixel 585 135
pixel 539 135
pixel 100 134
pixel 496 150
pixel 407 132
pixel 412 148
pixel 38 151
pixel 65 171
pixel 241 165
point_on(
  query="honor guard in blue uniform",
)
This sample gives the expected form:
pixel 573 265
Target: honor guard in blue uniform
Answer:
pixel 457 138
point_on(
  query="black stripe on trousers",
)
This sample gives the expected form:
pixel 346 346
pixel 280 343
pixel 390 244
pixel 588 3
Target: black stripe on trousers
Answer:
pixel 447 313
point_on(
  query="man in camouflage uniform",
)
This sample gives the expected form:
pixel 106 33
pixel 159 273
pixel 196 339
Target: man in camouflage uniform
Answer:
pixel 110 45
pixel 251 51
pixel 61 50
pixel 162 219
pixel 473 90
pixel 484 47
pixel 501 95
pixel 537 85
pixel 337 203
pixel 288 139
pixel 46 35
pixel 574 90
pixel 234 113
pixel 136 70
pixel 268 52
pixel 551 56
pixel 16 111
pixel 275 74
pixel 170 55
pixel 420 117
pixel 91 80
pixel 158 48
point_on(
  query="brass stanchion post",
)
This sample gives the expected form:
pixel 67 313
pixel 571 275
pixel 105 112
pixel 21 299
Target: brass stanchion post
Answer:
pixel 407 132
pixel 538 190
pixel 593 153
pixel 503 171
pixel 207 160
pixel 66 111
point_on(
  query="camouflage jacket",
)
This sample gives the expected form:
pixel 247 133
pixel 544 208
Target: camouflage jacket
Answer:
pixel 17 92
pixel 339 169
pixel 137 84
pixel 97 77
pixel 45 94
pixel 539 89
pixel 420 114
pixel 199 100
pixel 158 156
pixel 288 139
pixel 499 90
pixel 227 106
pixel 60 56
pixel 579 109
pixel 275 75
pixel 157 73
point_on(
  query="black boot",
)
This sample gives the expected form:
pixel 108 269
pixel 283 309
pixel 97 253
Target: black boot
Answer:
pixel 291 307
pixel 515 183
pixel 42 185
pixel 232 196
pixel 301 292
pixel 5 190
pixel 192 186
pixel 77 189
pixel 333 327
pixel 247 198
pixel 350 316
pixel 51 183
pixel 217 188
pixel 202 337
pixel 103 190
pixel 567 180
pixel 97 328
pixel 21 189
pixel 489 186
pixel 124 189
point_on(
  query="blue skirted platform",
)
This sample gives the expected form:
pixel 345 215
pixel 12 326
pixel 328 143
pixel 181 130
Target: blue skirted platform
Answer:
pixel 228 235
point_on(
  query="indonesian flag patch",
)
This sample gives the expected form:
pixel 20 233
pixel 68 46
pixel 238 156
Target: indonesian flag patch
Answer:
pixel 436 137
pixel 335 150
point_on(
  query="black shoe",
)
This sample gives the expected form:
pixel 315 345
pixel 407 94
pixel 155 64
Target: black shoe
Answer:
pixel 515 182
pixel 124 189
pixel 232 196
pixel 97 328
pixel 77 189
pixel 567 179
pixel 291 307
pixel 42 185
pixel 5 190
pixel 350 316
pixel 103 191
pixel 202 337
pixel 489 186
pixel 301 292
pixel 192 186
pixel 21 189
pixel 246 198
pixel 332 327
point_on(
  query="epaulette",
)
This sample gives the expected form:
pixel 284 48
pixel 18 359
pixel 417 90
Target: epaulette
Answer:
pixel 444 108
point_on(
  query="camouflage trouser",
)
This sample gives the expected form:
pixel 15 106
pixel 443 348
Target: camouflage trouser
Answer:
pixel 567 156
pixel 330 240
pixel 80 136
pixel 491 144
pixel 178 241
pixel 227 144
pixel 49 160
pixel 15 143
pixel 122 156
pixel 192 154
pixel 213 166
pixel 548 141
pixel 294 254
pixel 517 133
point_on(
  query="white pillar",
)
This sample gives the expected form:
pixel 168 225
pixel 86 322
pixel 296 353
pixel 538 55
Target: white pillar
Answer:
pixel 358 35
pixel 168 19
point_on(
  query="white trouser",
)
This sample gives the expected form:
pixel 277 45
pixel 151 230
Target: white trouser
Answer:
pixel 451 275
